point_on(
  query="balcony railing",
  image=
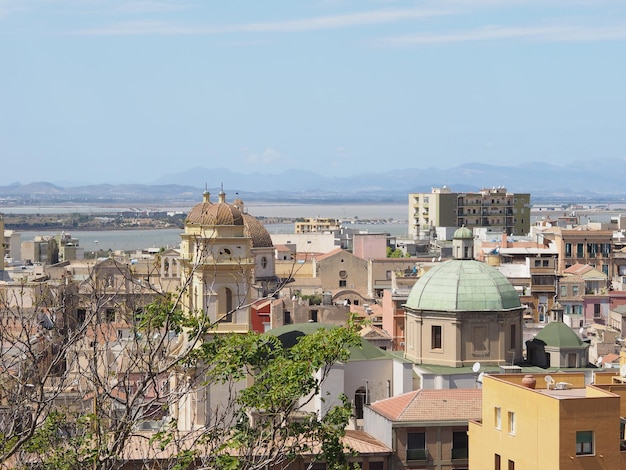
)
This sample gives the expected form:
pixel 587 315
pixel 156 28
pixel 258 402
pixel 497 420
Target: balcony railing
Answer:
pixel 416 454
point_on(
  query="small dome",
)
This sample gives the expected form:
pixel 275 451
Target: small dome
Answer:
pixel 207 214
pixel 463 285
pixel 558 334
pixel 463 233
pixel 257 232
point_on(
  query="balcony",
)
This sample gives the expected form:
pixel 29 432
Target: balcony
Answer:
pixel 416 454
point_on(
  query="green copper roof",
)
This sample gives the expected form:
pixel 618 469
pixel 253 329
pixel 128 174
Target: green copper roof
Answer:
pixel 463 285
pixel 290 334
pixel 463 232
pixel 558 334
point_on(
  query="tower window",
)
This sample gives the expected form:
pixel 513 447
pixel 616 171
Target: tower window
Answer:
pixel 436 337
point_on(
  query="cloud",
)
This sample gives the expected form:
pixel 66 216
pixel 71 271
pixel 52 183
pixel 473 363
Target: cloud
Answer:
pixel 556 33
pixel 287 26
pixel 266 157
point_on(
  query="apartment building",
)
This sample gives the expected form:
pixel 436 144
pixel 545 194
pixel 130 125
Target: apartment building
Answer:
pixel 547 422
pixel 317 225
pixel 493 208
pixel 582 244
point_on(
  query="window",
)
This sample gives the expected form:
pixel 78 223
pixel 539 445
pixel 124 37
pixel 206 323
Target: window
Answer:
pixel 563 291
pixel 584 442
pixel 574 291
pixel 497 415
pixel 110 315
pixel 435 339
pixel 513 340
pixel 459 445
pixel 225 303
pixel 537 263
pixel 496 461
pixel 546 263
pixel 511 465
pixel 342 283
pixel 579 250
pixel 264 262
pixel 596 310
pixel 511 422
pixel 416 446
pixel 568 250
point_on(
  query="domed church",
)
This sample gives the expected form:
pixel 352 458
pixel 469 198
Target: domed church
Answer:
pixel 463 311
pixel 227 261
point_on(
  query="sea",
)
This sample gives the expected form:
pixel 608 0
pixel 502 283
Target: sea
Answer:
pixel 370 218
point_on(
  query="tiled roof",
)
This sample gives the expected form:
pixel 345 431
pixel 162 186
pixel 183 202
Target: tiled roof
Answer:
pixel 432 405
pixel 373 332
pixel 331 253
pixel 577 268
pixel 209 214
pixel 257 232
pixel 609 358
pixel 363 443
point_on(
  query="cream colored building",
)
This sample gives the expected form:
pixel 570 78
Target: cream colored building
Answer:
pixel 320 225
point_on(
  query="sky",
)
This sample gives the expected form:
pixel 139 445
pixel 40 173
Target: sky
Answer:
pixel 124 91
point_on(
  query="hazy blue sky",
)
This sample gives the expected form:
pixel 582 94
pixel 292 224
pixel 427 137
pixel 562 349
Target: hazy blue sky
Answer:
pixel 127 91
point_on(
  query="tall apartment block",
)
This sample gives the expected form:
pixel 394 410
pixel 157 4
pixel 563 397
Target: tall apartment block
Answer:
pixel 494 208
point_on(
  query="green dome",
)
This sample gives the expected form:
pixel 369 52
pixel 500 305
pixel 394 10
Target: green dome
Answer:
pixel 463 232
pixel 463 285
pixel 558 334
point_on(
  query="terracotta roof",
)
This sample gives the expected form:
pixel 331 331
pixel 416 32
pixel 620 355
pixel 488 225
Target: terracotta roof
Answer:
pixel 609 358
pixel 432 405
pixel 257 232
pixel 207 213
pixel 577 268
pixel 363 443
pixel 331 253
pixel 374 332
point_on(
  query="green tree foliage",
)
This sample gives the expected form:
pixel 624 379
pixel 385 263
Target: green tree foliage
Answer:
pixel 397 253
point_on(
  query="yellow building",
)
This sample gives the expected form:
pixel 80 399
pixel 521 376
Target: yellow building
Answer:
pixel 560 424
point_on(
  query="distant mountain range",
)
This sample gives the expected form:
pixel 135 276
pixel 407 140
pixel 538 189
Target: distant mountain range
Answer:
pixel 597 181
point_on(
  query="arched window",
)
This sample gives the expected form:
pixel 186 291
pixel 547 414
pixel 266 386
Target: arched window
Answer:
pixel 225 306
